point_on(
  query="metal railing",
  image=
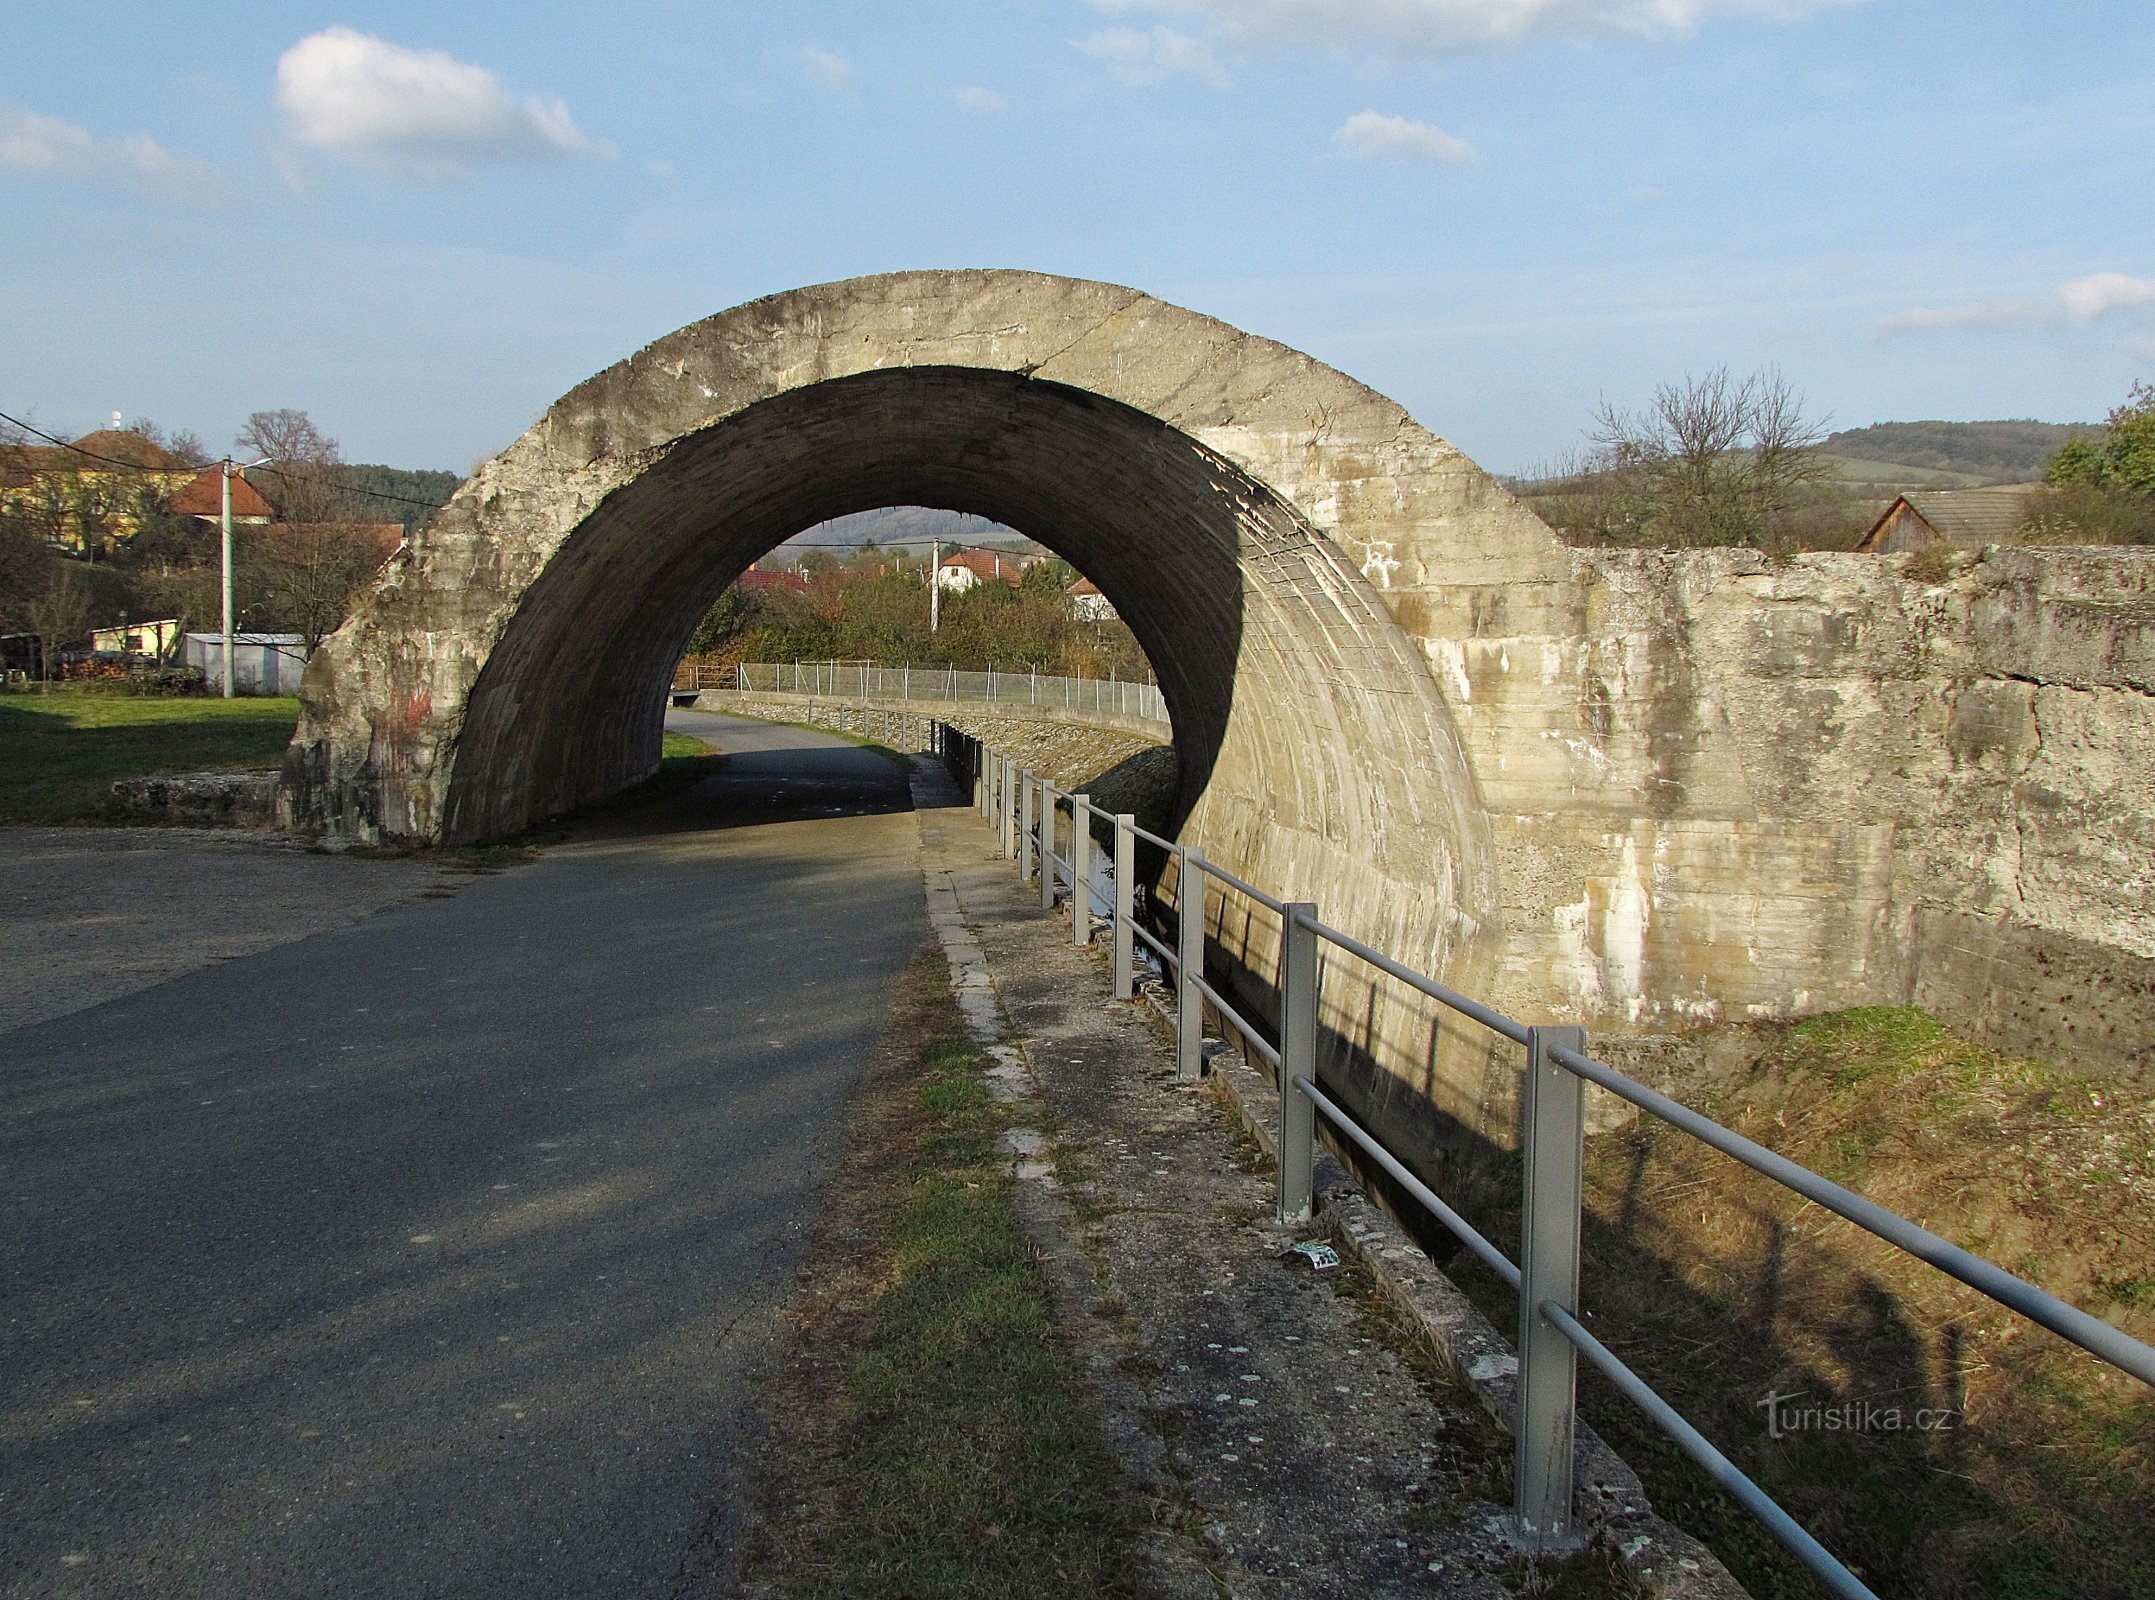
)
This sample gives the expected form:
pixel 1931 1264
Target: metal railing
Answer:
pixel 1027 811
pixel 869 680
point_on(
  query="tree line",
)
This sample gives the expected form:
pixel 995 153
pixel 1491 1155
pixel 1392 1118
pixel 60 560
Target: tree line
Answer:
pixel 874 607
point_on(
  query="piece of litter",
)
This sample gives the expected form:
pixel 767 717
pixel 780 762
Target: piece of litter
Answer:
pixel 1322 1257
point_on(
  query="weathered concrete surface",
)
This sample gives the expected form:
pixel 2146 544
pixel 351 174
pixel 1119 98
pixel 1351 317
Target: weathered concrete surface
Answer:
pixel 202 799
pixel 1631 789
pixel 1723 788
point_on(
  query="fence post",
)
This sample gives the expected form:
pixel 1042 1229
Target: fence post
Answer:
pixel 1554 1138
pixel 1298 1059
pixel 1027 848
pixel 1125 904
pixel 1047 845
pixel 1190 965
pixel 974 758
pixel 1080 869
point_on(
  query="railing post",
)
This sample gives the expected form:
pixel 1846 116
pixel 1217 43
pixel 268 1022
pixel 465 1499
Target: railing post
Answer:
pixel 1047 845
pixel 1027 848
pixel 1554 1139
pixel 1298 1059
pixel 1011 780
pixel 1125 905
pixel 978 758
pixel 1080 870
pixel 1190 965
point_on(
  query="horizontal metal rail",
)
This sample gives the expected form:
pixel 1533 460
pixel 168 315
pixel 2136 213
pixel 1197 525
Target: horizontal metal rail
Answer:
pixel 1723 1471
pixel 1150 837
pixel 2068 1322
pixel 1241 1024
pixel 1159 948
pixel 1495 1021
pixel 1250 889
pixel 1469 1235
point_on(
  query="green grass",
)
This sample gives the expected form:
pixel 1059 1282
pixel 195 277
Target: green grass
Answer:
pixel 1850 1047
pixel 970 1465
pixel 60 753
pixel 680 745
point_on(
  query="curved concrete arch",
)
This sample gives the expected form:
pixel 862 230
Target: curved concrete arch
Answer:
pixel 1257 516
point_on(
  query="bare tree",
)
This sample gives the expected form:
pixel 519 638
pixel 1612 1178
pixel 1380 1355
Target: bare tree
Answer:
pixel 1713 461
pixel 309 573
pixel 59 614
pixel 303 463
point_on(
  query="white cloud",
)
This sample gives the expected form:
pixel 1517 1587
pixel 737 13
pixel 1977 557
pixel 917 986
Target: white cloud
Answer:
pixel 1143 56
pixel 1373 133
pixel 2100 293
pixel 833 71
pixel 979 101
pixel 1427 27
pixel 421 112
pixel 33 142
pixel 2076 302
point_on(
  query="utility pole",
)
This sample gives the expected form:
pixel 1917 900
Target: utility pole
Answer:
pixel 935 584
pixel 226 543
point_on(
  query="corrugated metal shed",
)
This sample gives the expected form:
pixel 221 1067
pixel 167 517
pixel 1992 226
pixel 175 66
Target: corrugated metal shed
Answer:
pixel 1967 519
pixel 262 663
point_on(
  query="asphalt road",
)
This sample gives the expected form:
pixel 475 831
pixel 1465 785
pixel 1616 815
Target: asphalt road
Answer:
pixel 434 1255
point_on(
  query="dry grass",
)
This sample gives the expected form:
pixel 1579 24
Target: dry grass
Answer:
pixel 2036 1475
pixel 930 1436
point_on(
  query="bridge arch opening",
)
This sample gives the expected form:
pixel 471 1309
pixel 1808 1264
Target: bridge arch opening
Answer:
pixel 569 704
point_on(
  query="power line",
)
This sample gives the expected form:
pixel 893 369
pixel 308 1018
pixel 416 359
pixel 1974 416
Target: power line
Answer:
pixel 198 466
pixel 436 505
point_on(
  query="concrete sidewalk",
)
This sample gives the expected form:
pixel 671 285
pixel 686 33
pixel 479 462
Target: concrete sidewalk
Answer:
pixel 1291 1447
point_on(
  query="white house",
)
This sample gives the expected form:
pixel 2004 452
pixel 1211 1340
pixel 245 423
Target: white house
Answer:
pixel 968 569
pixel 1088 604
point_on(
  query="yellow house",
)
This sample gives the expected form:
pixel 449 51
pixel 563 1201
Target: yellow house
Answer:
pixel 84 503
pixel 138 638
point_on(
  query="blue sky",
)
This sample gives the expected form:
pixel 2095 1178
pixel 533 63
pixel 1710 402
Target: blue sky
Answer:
pixel 423 224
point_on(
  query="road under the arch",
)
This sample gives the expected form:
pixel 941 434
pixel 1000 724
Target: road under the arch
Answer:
pixel 436 1254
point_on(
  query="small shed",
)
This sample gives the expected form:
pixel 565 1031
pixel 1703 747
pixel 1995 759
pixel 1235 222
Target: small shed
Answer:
pixel 262 663
pixel 1966 519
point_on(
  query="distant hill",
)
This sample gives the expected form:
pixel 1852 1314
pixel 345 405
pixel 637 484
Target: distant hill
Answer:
pixel 907 525
pixel 1948 454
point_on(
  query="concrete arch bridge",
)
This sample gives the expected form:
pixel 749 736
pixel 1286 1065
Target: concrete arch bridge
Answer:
pixel 1622 788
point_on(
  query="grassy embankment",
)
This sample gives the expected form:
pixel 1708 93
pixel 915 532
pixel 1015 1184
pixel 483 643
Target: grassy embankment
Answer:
pixel 60 753
pixel 1985 1457
pixel 931 1435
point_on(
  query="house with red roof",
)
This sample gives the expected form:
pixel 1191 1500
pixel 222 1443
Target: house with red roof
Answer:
pixel 203 496
pixel 1087 603
pixel 968 569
